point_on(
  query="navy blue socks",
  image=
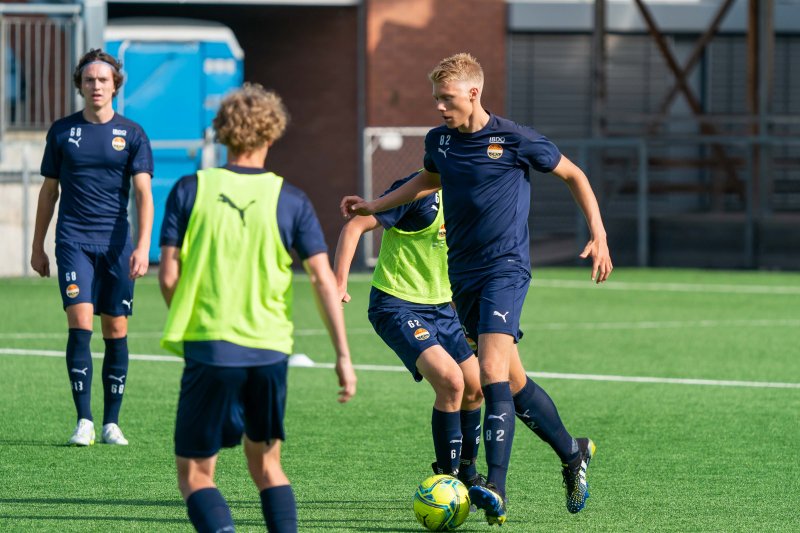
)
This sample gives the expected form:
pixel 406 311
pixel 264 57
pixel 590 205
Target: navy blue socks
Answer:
pixel 115 371
pixel 279 508
pixel 79 368
pixel 534 407
pixel 209 512
pixel 471 439
pixel 447 439
pixel 498 430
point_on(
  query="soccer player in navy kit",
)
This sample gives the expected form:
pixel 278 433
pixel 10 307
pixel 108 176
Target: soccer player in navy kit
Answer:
pixel 481 162
pixel 93 156
pixel 226 276
pixel 410 310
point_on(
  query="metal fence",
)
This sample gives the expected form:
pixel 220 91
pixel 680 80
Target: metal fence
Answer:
pixel 751 183
pixel 40 44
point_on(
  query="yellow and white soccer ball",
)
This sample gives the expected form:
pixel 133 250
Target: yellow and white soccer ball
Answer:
pixel 441 503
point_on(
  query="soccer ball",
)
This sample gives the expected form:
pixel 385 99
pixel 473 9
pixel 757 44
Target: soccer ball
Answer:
pixel 441 503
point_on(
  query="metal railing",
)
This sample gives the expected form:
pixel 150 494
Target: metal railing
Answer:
pixel 40 44
pixel 756 179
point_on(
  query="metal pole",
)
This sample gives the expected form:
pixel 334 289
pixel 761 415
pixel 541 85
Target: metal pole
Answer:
pixel 598 62
pixel 749 221
pixel 642 209
pixel 5 77
pixel 766 41
pixel 581 230
pixel 26 182
pixel 369 149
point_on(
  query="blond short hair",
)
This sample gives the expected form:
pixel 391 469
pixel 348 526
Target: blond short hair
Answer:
pixel 460 67
pixel 249 117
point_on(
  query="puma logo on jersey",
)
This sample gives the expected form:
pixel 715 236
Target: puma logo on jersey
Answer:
pixel 76 142
pixel 79 370
pixel 224 198
pixel 127 303
pixel 444 152
pixel 501 315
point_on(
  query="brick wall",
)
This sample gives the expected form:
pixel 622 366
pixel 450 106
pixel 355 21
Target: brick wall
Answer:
pixel 407 38
pixel 309 56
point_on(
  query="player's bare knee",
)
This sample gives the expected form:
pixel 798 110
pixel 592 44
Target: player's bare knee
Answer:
pixel 114 327
pixel 472 398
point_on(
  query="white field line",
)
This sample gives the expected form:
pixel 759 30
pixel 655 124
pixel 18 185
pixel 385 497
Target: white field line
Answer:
pixel 545 326
pixel 669 287
pixel 587 284
pixel 396 368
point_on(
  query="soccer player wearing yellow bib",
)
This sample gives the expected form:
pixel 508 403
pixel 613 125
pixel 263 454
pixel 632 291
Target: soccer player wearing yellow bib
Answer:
pixel 410 310
pixel 226 277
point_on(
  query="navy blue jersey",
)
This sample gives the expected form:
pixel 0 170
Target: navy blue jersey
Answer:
pixel 413 216
pixel 487 191
pixel 297 221
pixel 94 164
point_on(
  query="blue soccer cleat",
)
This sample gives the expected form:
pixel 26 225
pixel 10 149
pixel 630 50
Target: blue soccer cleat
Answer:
pixel 488 498
pixel 574 473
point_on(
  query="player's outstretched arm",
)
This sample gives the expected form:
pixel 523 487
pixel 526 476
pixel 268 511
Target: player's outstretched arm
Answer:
pixel 48 196
pixel 330 309
pixel 346 250
pixel 418 187
pixel 169 271
pixel 581 189
pixel 140 258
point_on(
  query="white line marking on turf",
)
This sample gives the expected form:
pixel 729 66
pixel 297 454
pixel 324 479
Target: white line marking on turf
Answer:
pixel 95 355
pixel 645 324
pixel 396 368
pixel 669 287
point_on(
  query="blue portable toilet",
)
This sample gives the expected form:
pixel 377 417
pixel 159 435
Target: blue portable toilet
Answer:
pixel 176 73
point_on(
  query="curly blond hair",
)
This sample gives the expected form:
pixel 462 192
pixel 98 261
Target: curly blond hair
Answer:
pixel 249 117
pixel 460 67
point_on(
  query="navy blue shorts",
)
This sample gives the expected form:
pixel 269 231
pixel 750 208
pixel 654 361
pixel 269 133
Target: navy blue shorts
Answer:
pixel 219 403
pixel 491 303
pixel 97 274
pixel 409 329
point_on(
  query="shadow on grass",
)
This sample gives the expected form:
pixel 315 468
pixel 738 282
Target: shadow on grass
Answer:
pixel 38 444
pixel 92 501
pixel 386 505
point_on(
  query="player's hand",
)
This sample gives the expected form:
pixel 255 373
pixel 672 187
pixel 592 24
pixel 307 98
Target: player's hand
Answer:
pixel 344 297
pixel 40 263
pixel 139 262
pixel 347 379
pixel 597 249
pixel 355 205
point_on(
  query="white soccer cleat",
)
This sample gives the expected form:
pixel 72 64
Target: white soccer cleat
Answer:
pixel 113 435
pixel 84 433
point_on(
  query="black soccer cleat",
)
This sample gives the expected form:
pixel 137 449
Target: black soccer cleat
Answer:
pixel 491 501
pixel 441 472
pixel 476 480
pixel 574 473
